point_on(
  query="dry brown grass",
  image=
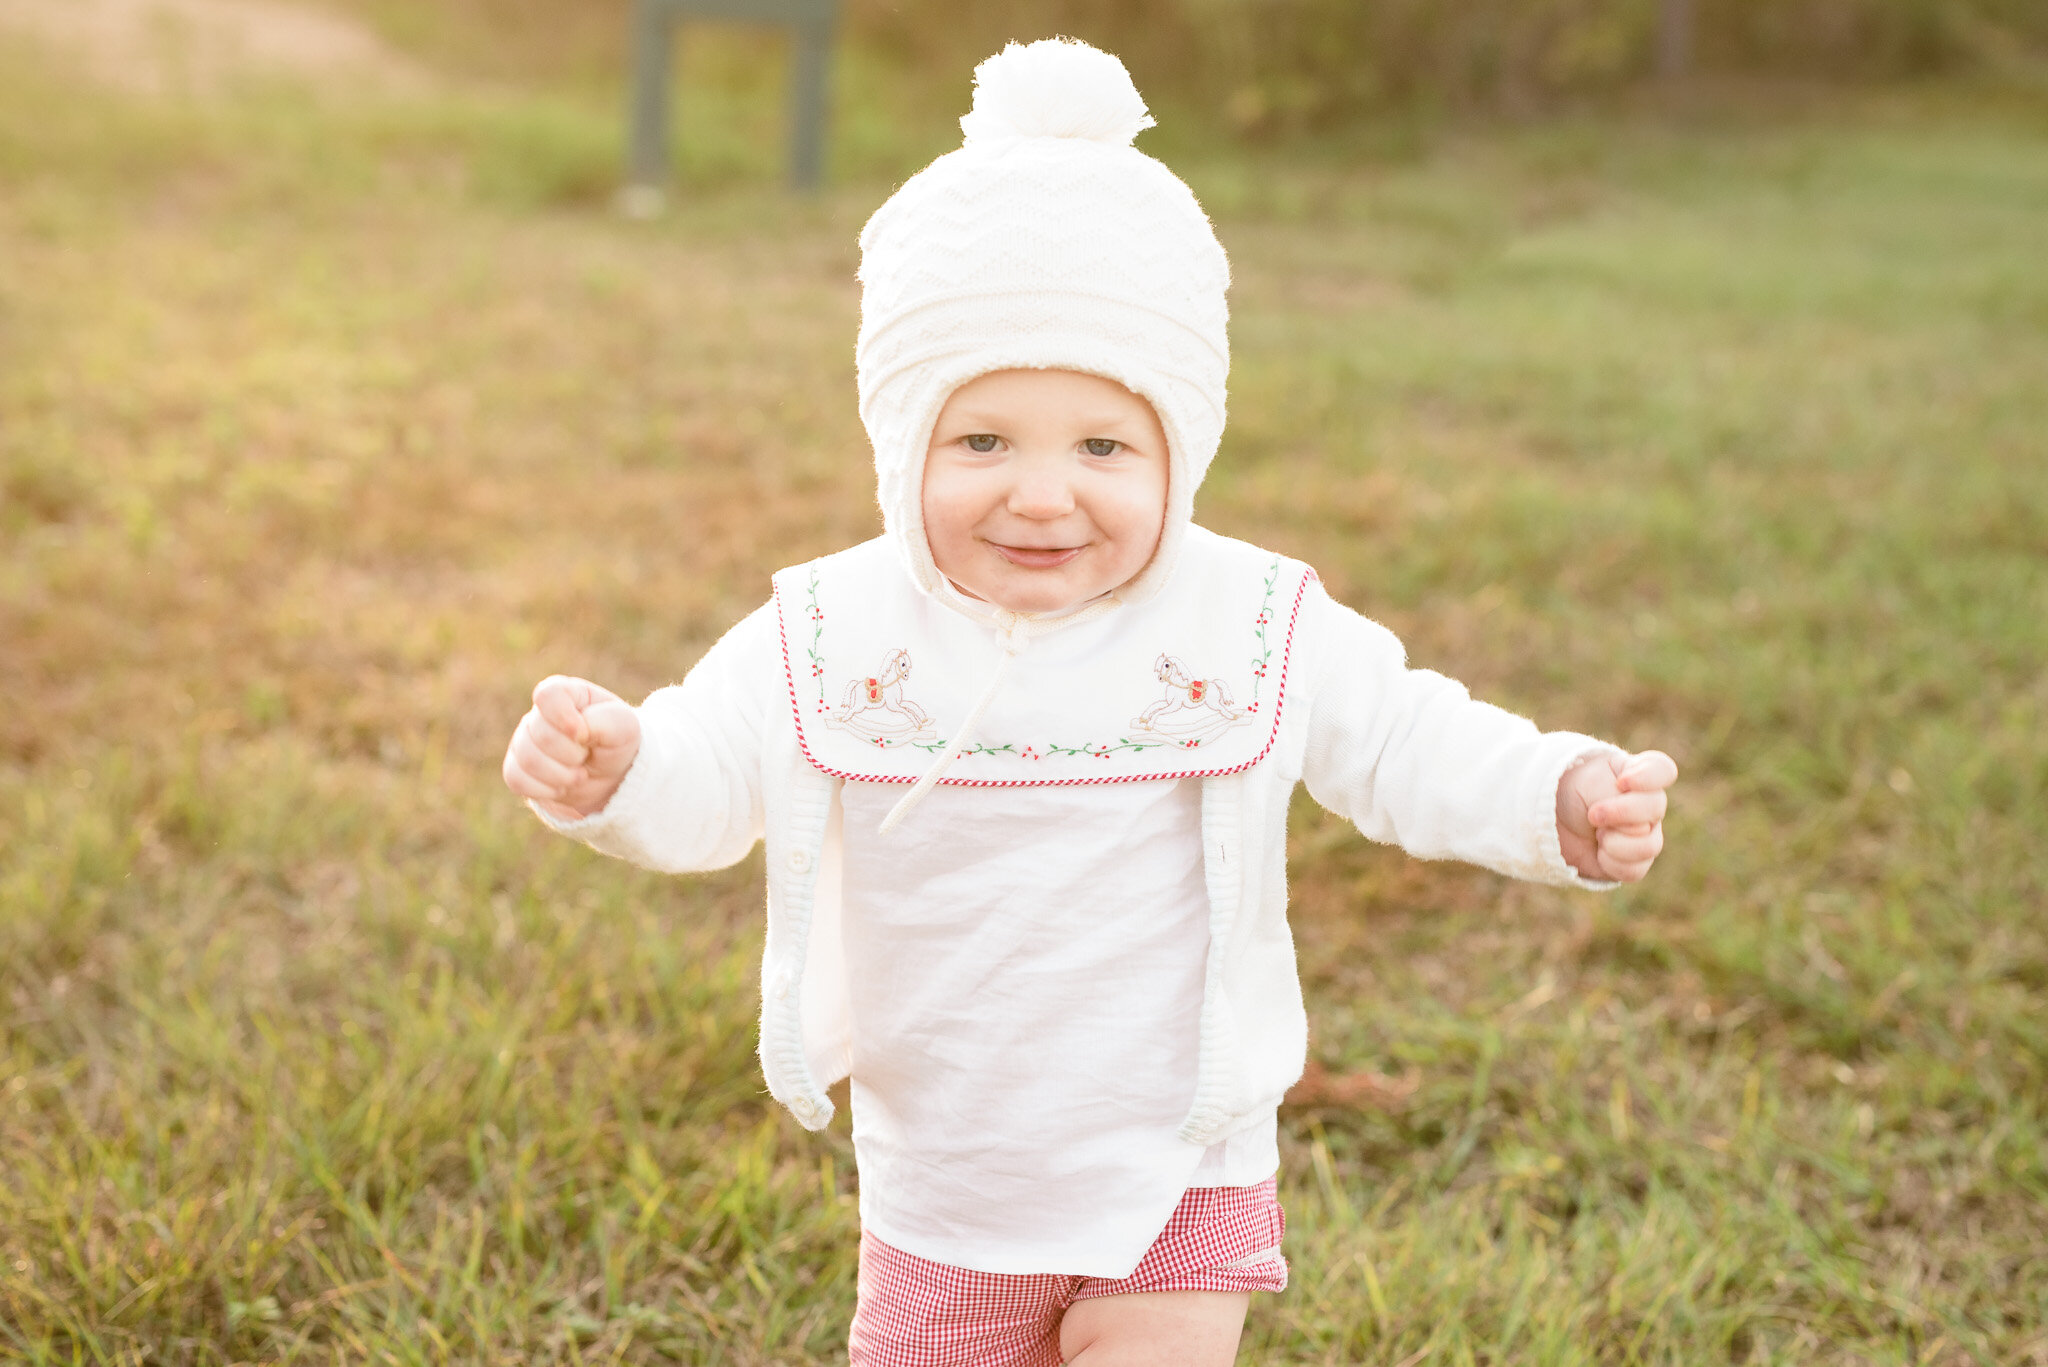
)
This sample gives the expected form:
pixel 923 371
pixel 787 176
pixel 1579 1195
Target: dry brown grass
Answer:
pixel 189 47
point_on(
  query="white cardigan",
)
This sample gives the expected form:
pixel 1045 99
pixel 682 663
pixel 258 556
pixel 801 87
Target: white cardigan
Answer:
pixel 1406 754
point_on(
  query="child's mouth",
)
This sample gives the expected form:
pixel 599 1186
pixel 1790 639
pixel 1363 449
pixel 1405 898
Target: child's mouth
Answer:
pixel 1037 557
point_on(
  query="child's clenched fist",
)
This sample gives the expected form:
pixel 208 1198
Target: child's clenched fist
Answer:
pixel 570 753
pixel 1610 814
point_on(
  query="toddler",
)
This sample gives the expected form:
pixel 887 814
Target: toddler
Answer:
pixel 1023 766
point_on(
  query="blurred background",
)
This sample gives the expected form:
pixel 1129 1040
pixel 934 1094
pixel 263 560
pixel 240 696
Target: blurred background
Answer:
pixel 1672 371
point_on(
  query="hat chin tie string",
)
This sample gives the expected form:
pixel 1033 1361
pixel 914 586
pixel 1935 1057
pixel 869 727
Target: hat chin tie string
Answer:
pixel 1014 632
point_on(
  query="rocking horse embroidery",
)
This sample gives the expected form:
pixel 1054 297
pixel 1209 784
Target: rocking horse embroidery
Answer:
pixel 1194 711
pixel 876 710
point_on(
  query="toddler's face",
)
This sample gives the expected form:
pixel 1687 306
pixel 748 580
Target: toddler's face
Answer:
pixel 1044 488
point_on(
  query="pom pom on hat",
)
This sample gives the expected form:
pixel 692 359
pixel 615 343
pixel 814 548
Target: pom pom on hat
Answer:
pixel 1055 88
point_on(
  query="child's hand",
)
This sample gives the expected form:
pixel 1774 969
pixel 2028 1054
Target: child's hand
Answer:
pixel 1610 814
pixel 571 752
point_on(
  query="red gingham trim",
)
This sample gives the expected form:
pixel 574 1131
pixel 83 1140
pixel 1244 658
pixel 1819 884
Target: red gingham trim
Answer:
pixel 917 1313
pixel 914 1313
pixel 1279 701
pixel 1212 1227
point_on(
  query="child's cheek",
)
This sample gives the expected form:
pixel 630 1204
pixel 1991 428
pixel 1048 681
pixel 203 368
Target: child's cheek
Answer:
pixel 1146 518
pixel 947 525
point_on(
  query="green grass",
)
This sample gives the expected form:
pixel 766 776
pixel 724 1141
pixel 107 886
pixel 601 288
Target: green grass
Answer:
pixel 324 430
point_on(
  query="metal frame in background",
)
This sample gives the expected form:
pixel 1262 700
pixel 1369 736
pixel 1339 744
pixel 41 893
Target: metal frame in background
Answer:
pixel 811 24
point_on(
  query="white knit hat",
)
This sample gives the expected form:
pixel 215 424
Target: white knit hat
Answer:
pixel 1046 241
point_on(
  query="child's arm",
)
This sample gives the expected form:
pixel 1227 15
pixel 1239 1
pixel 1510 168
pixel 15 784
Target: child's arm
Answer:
pixel 674 784
pixel 1414 760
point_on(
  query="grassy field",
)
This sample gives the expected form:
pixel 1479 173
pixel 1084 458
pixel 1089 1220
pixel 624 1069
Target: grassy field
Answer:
pixel 326 429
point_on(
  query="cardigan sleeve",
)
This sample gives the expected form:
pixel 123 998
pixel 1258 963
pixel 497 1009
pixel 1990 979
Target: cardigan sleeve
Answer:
pixel 1414 760
pixel 692 800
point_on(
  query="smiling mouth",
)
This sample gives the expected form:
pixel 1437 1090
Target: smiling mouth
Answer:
pixel 1037 557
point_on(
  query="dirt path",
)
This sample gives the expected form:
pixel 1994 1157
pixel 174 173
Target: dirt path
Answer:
pixel 199 46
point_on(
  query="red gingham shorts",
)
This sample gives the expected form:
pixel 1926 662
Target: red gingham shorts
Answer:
pixel 914 1313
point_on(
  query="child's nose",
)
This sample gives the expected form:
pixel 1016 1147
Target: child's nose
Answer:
pixel 1041 493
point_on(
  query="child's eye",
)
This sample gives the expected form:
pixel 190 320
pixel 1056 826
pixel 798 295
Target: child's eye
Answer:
pixel 980 442
pixel 1101 446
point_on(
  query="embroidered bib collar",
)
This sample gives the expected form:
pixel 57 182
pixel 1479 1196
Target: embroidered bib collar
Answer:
pixel 1189 684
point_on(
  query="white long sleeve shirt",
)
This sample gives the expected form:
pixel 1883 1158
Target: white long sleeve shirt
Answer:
pixel 1024 974
pixel 926 965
